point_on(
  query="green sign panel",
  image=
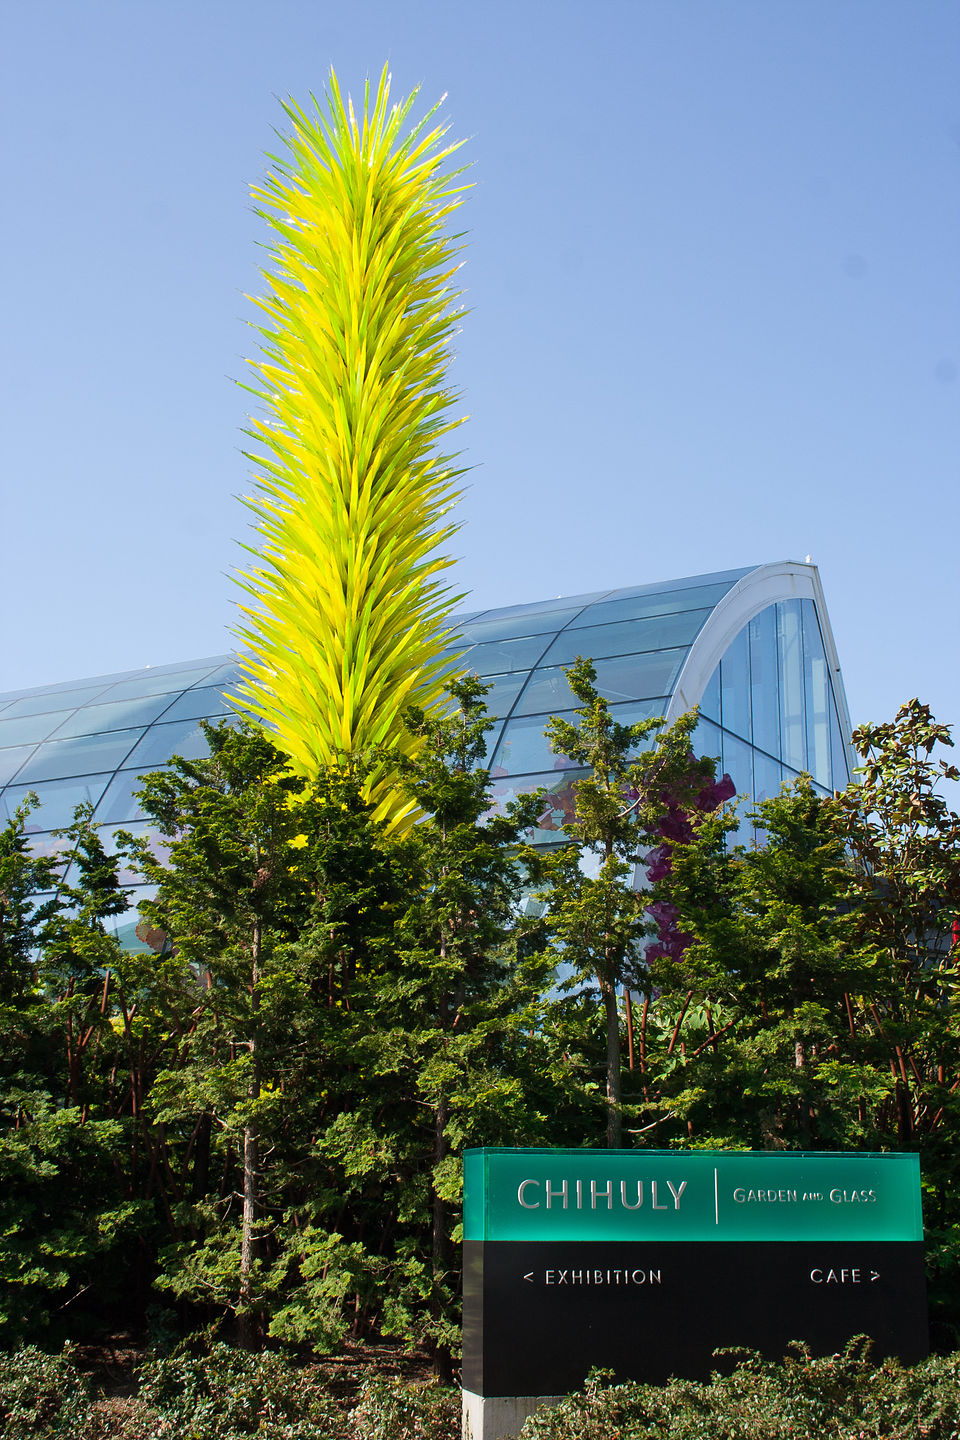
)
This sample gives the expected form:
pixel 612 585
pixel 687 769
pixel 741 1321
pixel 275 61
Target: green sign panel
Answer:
pixel 690 1195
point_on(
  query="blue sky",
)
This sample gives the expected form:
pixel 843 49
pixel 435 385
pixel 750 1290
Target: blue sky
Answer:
pixel 713 272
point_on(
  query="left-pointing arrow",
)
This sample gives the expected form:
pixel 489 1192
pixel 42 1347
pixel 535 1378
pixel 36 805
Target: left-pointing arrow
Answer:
pixel 529 1277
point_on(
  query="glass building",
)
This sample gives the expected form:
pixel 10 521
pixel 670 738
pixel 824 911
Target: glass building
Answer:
pixel 751 647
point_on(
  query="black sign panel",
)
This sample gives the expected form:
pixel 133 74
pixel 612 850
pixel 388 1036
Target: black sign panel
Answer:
pixel 538 1316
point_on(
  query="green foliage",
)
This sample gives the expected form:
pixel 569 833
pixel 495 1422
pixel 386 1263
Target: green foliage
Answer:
pixel 219 1393
pixel 842 1395
pixel 42 1397
pixel 263 1118
pixel 595 913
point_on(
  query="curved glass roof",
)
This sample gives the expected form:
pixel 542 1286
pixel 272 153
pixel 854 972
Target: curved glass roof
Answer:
pixel 769 709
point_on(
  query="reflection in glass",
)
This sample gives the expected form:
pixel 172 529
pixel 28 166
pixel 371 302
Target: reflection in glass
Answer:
pixel 511 627
pixel 204 703
pixel 839 759
pixel 525 749
pixel 766 776
pixel 503 692
pixel 59 758
pixel 637 607
pixel 118 805
pixel 738 764
pixel 547 693
pixel 162 742
pixel 30 729
pixel 710 703
pixel 504 655
pixel 559 806
pixel 764 682
pixel 226 676
pixel 790 646
pixel 56 699
pixel 707 739
pixel 817 696
pixel 626 677
pixel 735 687
pixel 120 715
pixel 11 760
pixel 626 638
pixel 58 800
pixel 156 682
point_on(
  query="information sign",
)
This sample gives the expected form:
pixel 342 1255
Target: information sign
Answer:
pixel 646 1261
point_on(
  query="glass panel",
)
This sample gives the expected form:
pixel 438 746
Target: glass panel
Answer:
pixel 840 766
pixel 789 645
pixel 525 749
pixel 548 607
pixel 817 696
pixel 639 710
pixel 764 682
pixel 143 830
pixel 710 701
pixel 53 700
pixel 636 607
pixel 735 687
pixel 135 934
pixel 58 800
pixel 738 764
pixel 226 675
pixel 118 805
pixel 635 677
pixel 766 776
pixel 60 758
pixel 509 627
pixel 558 805
pixel 11 760
pixel 121 715
pixel 627 638
pixel 493 659
pixel 547 693
pixel 155 682
pixel 628 677
pixel 30 729
pixel 707 740
pixel 205 703
pixel 162 742
pixel 504 690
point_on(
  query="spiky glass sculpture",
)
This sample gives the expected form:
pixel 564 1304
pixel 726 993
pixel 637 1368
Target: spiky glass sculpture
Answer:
pixel 345 619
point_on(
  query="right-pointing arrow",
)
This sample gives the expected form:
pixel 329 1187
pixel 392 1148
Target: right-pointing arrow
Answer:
pixel 874 1274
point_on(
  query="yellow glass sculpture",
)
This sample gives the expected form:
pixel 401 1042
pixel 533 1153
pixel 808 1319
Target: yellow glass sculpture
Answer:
pixel 344 623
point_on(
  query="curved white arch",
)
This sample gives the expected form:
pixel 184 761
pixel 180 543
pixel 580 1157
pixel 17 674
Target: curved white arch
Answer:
pixel 782 580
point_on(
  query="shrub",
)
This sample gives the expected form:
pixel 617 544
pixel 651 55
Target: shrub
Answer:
pixel 393 1410
pixel 219 1393
pixel 42 1396
pixel 844 1396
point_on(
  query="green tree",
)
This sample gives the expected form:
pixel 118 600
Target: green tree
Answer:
pixel 68 1223
pixel 232 894
pixel 595 911
pixel 753 1038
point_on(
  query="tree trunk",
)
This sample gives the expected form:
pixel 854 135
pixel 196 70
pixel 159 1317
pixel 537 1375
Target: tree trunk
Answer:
pixel 614 1112
pixel 249 1330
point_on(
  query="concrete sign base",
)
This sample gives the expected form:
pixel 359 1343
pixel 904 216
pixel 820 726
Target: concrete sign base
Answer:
pixel 487 1417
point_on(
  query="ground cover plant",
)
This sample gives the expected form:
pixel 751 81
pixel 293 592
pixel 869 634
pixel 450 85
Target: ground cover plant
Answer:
pixel 215 1392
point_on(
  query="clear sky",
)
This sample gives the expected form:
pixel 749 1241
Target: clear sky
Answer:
pixel 713 271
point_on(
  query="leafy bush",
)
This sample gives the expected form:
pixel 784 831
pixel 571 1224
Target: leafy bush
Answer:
pixel 391 1410
pixel 42 1396
pixel 844 1396
pixel 221 1394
